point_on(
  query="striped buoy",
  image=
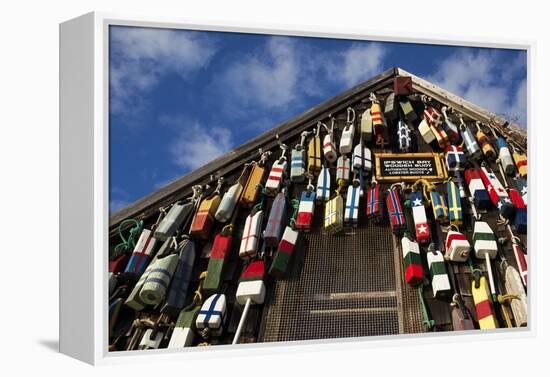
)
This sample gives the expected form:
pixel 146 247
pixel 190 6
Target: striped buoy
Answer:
pixel 439 207
pixel 395 211
pixel 485 144
pixel 403 136
pixel 505 157
pixel 142 254
pixel 497 193
pixel 297 156
pixel 134 300
pixel 329 148
pixel 351 211
pixel 521 163
pixel 455 206
pixel 216 264
pixel 378 122
pixel 477 188
pixel 212 314
pixel 362 158
pixel 441 286
pixel 229 202
pixel 173 220
pixel 426 131
pixel 297 167
pixel 175 301
pixel 441 137
pixel 366 126
pixel 407 110
pixel 204 218
pixel 343 167
pixel 484 308
pixel 457 246
pixel 251 234
pixel 281 260
pixel 419 216
pixel 275 178
pixel 314 153
pixel 274 227
pixel 374 206
pixel 304 219
pixel 412 261
pixel 346 140
pixel 323 186
pixel 251 290
pixel 184 330
pixel 157 281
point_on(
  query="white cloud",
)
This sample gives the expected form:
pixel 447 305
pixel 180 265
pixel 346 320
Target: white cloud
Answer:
pixel 196 145
pixel 268 78
pixel 141 57
pixel 358 63
pixel 481 77
pixel 285 69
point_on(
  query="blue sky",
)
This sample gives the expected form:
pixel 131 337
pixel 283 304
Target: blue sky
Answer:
pixel 181 98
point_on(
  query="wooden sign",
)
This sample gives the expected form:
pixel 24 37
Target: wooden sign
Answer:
pixel 392 167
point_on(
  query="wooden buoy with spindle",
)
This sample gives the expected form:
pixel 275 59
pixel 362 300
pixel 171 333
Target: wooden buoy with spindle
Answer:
pixel 212 314
pixel 457 246
pixel 323 186
pixel 204 218
pixel 277 216
pixel 395 210
pixel 281 260
pixel 297 157
pixel 374 204
pixel 329 148
pixel 231 197
pixel 497 192
pixel 304 219
pixel 314 152
pixel 277 172
pixel 485 247
pixel 251 290
pixel 343 167
pixel 348 133
pixel 441 286
pixel 351 212
pixel 470 144
pixel 334 212
pixel 421 226
pixel 412 261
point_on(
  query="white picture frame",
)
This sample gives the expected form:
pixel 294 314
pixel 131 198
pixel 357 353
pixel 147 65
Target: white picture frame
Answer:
pixel 84 184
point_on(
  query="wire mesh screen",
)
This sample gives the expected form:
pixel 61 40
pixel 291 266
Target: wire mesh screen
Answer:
pixel 345 286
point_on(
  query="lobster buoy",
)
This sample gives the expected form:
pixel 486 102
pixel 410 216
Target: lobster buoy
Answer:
pixel 251 234
pixel 419 216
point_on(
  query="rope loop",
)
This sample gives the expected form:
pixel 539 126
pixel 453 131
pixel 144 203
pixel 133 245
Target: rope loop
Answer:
pixel 128 243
